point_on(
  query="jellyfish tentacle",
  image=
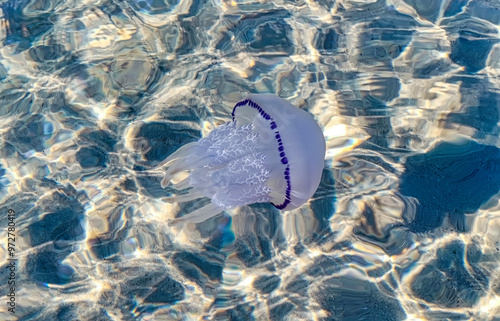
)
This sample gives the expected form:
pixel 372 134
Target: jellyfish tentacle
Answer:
pixel 199 215
pixel 182 184
pixel 190 196
pixel 196 160
pixel 182 152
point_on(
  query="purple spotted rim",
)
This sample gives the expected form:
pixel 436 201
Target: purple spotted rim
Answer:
pixel 281 149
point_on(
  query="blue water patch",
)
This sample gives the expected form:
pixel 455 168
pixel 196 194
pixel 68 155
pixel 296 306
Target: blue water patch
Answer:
pixel 471 50
pixel 154 290
pixel 428 9
pixel 385 38
pixel 106 247
pixel 167 291
pixel 324 265
pixel 454 7
pixel 27 135
pixel 482 113
pixel 280 311
pixel 46 267
pixel 266 283
pixel 241 312
pixel 258 246
pixel 351 299
pixel 4 182
pixel 447 282
pixel 327 40
pixel 23 29
pixel 89 157
pixel 273 36
pixel 101 138
pixel 322 207
pixel 474 42
pixel 249 30
pixel 201 268
pixel 486 10
pixel 164 138
pixel 299 285
pixel 63 222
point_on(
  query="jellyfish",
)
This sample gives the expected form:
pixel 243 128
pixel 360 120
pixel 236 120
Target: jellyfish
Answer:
pixel 271 151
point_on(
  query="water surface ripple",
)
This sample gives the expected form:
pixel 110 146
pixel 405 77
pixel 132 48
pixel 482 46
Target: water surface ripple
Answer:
pixel 404 226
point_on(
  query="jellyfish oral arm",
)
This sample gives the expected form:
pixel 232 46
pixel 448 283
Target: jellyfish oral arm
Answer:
pixel 198 216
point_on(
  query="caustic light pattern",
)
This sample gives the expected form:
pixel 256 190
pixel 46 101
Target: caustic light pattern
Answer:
pixel 271 151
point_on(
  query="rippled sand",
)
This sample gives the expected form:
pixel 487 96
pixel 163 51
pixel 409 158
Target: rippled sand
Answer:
pixel 405 224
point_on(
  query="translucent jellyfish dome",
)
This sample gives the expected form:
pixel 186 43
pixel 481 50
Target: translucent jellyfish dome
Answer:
pixel 271 151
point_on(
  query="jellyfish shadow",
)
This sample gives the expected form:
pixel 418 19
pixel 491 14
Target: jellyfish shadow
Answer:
pixel 450 181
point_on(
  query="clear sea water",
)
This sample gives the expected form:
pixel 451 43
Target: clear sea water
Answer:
pixel 404 226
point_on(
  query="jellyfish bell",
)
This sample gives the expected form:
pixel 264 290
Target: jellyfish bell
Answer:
pixel 271 151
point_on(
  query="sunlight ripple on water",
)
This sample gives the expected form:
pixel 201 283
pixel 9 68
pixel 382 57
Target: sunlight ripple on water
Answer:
pixel 405 224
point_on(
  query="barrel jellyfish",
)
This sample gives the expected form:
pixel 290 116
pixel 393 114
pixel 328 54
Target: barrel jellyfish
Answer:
pixel 271 151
